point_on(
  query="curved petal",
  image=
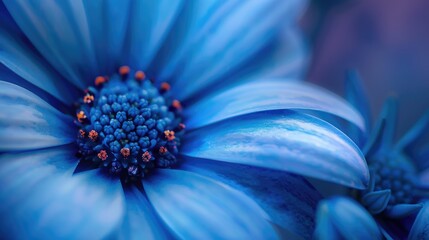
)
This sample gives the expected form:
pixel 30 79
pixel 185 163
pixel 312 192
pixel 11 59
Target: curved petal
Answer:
pixel 286 140
pixel 423 178
pixel 403 210
pixel 268 95
pixel 150 22
pixel 410 140
pixel 194 18
pixel 107 22
pixel 42 199
pixel 286 57
pixel 59 30
pixel 285 197
pixel 382 136
pixel 420 229
pixel 27 122
pixel 343 218
pixel 357 96
pixel 376 201
pixel 140 220
pixel 229 39
pixel 421 158
pixel 17 56
pixel 196 207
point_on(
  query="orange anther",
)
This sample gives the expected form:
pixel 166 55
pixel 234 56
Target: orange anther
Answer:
pixel 102 155
pixel 140 75
pixel 176 104
pixel 146 156
pixel 165 87
pixel 81 116
pixel 125 152
pixel 169 135
pixel 124 70
pixel 182 126
pixel 163 150
pixel 100 80
pixel 82 133
pixel 88 98
pixel 93 135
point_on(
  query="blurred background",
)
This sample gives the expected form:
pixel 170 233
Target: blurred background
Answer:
pixel 387 41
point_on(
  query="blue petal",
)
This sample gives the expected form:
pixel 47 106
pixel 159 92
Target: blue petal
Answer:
pixel 286 140
pixel 420 229
pixel 188 28
pixel 107 21
pixel 27 122
pixel 424 178
pixel 26 63
pixel 376 201
pixel 150 22
pixel 59 31
pixel 403 210
pixel 421 158
pixel 285 197
pixel 286 57
pixel 20 173
pixel 268 95
pixel 229 39
pixel 382 137
pixel 43 200
pixel 357 96
pixel 6 20
pixel 196 207
pixel 140 220
pixel 409 141
pixel 345 219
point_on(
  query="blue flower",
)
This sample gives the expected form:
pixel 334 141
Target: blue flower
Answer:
pixel 180 149
pixel 398 185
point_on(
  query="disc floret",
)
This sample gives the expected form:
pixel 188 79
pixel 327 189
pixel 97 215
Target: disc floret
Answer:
pixel 127 125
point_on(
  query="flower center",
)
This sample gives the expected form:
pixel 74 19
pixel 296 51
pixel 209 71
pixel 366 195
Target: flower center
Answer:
pixel 396 176
pixel 127 125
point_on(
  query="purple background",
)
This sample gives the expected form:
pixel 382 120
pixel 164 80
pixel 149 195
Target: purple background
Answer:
pixel 387 41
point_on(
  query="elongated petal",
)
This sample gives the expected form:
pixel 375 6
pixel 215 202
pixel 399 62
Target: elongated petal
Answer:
pixel 423 179
pixel 196 207
pixel 140 220
pixel 59 31
pixel 42 199
pixel 27 122
pixel 234 38
pixel 21 59
pixel 382 137
pixel 421 158
pixel 357 96
pixel 107 22
pixel 410 140
pixel 286 57
pixel 150 22
pixel 376 201
pixel 420 229
pixel 403 210
pixel 284 196
pixel 344 219
pixel 286 140
pixel 185 32
pixel 268 95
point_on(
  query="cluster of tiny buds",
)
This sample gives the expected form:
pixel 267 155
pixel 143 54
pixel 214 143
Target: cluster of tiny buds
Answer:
pixel 120 127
